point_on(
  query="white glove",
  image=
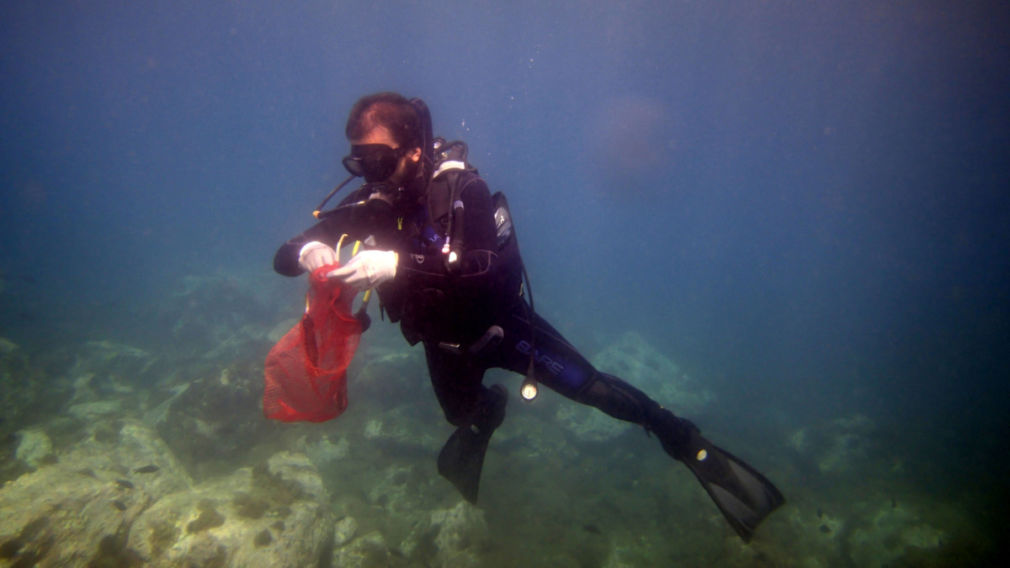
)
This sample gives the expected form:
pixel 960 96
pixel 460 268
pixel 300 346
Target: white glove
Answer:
pixel 367 269
pixel 315 254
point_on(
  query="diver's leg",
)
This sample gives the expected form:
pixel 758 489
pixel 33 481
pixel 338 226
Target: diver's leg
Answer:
pixel 560 367
pixel 457 384
pixel 474 409
pixel 744 496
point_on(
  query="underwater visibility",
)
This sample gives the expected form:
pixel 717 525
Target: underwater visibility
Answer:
pixel 610 285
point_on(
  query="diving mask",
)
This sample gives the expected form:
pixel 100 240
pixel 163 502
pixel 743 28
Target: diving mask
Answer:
pixel 374 162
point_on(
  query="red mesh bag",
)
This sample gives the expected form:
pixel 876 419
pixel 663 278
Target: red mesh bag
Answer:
pixel 306 371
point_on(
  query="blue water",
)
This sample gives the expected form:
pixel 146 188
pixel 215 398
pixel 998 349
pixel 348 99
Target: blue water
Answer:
pixel 804 205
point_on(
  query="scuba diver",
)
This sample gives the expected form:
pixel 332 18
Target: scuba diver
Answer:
pixel 442 254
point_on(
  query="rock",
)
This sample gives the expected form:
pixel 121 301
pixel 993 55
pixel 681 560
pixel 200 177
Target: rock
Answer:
pixel 105 368
pixel 633 359
pixel 149 461
pixel 835 447
pixel 26 393
pixel 215 317
pixel 798 440
pixel 399 430
pixel 394 489
pixel 7 346
pixel 622 557
pixel 847 444
pixel 323 452
pixel 88 411
pixel 212 421
pixel 538 437
pixel 396 376
pixel 275 514
pixel 117 359
pixel 106 379
pixel 589 424
pixel 825 529
pixel 876 532
pixel 450 538
pixel 344 531
pixel 34 447
pixel 888 535
pixel 461 534
pixel 120 498
pixel 77 512
pixel 367 551
pixel 57 516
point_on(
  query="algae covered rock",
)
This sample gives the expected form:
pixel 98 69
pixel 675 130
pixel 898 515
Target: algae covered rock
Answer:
pixel 365 552
pixel 461 534
pixel 58 516
pixel 888 533
pixel 107 379
pixel 344 531
pixel 215 317
pixel 120 498
pixel 34 447
pixel 117 366
pixel 78 511
pixel 25 393
pixel 323 452
pixel 275 514
pixel 211 422
pixel 455 537
pixel 393 375
pixel 633 359
pixel 399 430
pixel 838 446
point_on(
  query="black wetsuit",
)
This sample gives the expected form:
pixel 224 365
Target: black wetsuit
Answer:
pixel 451 308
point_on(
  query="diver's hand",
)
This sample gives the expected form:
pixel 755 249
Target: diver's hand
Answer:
pixel 367 269
pixel 315 254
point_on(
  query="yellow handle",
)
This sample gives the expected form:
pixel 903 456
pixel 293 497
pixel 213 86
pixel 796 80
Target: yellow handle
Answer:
pixel 368 293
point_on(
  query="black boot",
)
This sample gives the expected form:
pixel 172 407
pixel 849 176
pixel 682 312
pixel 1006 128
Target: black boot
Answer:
pixel 744 496
pixel 462 458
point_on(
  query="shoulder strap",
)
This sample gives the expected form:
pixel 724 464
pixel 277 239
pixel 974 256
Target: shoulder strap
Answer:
pixel 450 162
pixel 454 232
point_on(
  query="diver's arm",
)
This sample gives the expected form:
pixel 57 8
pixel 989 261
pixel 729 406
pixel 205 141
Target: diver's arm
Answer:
pixel 327 231
pixel 286 261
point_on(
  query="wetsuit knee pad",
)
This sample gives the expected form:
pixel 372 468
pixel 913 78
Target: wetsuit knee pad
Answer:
pixel 617 398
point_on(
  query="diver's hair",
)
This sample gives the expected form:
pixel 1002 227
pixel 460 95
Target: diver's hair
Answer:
pixel 390 110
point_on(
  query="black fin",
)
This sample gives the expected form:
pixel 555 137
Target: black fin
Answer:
pixel 462 459
pixel 744 496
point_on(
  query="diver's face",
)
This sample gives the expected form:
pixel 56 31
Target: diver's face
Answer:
pixel 407 162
